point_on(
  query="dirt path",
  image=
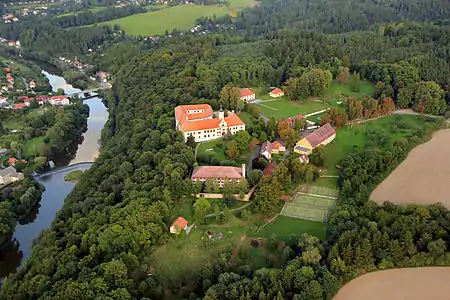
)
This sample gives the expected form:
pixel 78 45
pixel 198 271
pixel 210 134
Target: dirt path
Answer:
pixel 399 284
pixel 423 178
pixel 236 250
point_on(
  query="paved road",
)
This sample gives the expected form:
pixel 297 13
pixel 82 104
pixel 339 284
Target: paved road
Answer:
pixel 411 112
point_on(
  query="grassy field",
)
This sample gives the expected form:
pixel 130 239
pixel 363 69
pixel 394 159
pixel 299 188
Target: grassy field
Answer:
pixel 216 147
pixel 282 108
pixel 247 118
pixel 380 133
pixel 182 254
pixel 30 147
pixel 284 226
pixel 93 10
pixel 181 17
pixel 339 92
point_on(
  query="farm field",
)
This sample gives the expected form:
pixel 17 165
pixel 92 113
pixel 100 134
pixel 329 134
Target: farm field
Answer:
pixel 411 284
pixel 181 17
pixel 414 181
pixel 379 133
pixel 282 227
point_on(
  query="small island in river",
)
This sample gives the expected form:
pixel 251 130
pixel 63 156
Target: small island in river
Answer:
pixel 73 176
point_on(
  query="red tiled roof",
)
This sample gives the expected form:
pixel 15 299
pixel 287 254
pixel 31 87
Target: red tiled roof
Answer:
pixel 269 169
pixel 57 98
pixel 246 92
pixel 234 120
pixel 180 111
pixel 41 98
pixel 200 124
pixel 277 91
pixel 19 105
pixel 180 222
pixel 277 145
pixel 217 172
pixel 318 136
pixel 12 160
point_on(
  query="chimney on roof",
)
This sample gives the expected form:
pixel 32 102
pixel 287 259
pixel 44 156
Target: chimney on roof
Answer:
pixel 243 170
pixel 232 112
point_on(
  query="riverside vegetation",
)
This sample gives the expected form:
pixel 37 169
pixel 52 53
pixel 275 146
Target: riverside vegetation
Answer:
pixel 102 241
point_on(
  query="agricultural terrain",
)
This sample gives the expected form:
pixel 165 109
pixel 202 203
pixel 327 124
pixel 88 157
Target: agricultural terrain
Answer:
pixel 422 178
pixel 181 17
pixel 411 284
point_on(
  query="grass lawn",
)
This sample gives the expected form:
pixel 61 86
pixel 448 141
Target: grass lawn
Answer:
pixel 92 9
pixel 217 147
pixel 282 108
pixel 177 258
pixel 328 182
pixel 25 70
pixel 339 92
pixel 30 147
pixel 247 118
pixel 380 133
pixel 181 17
pixel 284 226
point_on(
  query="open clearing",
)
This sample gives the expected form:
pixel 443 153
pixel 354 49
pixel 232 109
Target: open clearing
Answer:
pixel 399 284
pixel 422 178
pixel 181 17
pixel 282 227
pixel 381 133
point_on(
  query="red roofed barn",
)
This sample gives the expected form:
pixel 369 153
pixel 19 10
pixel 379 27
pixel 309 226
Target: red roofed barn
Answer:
pixel 179 224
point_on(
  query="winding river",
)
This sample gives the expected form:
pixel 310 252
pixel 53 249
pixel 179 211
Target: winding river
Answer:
pixel 56 189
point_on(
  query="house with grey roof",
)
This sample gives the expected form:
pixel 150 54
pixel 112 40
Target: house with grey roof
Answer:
pixel 10 175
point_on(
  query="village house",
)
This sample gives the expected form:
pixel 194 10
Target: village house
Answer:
pixel 200 122
pixel 219 174
pixel 59 100
pixel 179 224
pixel 268 148
pixel 10 175
pixel 276 93
pixel 247 95
pixel 321 136
pixel 304 159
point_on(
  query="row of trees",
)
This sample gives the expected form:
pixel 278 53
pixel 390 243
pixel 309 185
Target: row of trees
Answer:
pixel 312 83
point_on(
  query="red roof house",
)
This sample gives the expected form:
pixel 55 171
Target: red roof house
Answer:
pixel 19 106
pixel 12 161
pixel 179 224
pixel 247 95
pixel 277 92
pixel 320 135
pixel 7 69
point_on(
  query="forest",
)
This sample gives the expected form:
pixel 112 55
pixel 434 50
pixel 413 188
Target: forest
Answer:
pixel 101 241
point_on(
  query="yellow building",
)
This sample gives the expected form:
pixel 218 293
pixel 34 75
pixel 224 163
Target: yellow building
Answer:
pixel 322 136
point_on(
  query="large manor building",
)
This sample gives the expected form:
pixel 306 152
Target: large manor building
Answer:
pixel 200 121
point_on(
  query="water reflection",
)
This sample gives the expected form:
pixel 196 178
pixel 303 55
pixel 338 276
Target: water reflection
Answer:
pixel 10 258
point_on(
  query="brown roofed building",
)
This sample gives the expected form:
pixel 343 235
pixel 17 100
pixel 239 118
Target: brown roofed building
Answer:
pixel 179 224
pixel 268 148
pixel 219 174
pixel 322 136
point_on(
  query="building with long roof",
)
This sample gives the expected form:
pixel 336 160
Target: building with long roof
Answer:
pixel 322 136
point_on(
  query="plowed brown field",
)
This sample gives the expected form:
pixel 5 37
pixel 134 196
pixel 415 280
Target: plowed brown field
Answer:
pixel 399 284
pixel 423 178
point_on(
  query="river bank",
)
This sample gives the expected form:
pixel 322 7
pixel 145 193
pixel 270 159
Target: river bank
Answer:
pixel 57 189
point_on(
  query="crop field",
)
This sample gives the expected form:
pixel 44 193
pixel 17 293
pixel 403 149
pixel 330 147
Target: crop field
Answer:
pixel 181 17
pixel 422 178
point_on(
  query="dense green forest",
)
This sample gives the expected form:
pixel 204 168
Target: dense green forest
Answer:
pixel 15 202
pixel 101 241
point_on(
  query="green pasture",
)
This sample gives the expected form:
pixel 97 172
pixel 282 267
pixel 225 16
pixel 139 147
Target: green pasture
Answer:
pixel 30 146
pixel 339 91
pixel 284 226
pixel 181 254
pixel 318 202
pixel 181 17
pixel 379 133
pixel 282 108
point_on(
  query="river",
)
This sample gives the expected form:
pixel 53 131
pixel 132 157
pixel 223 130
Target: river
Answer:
pixel 56 189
